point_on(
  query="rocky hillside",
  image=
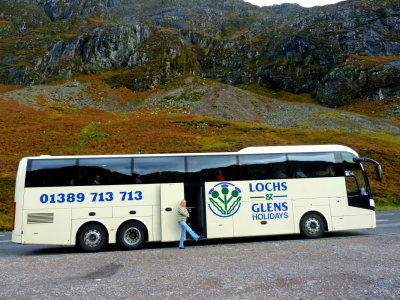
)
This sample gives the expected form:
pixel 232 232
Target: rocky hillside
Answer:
pixel 205 97
pixel 338 53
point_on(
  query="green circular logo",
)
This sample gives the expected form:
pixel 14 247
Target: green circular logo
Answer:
pixel 224 199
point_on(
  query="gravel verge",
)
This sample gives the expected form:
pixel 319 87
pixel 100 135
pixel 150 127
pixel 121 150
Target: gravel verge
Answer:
pixel 351 267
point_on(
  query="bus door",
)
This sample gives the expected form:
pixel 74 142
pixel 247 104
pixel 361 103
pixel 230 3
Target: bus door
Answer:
pixel 357 190
pixel 357 185
pixel 194 195
pixel 171 195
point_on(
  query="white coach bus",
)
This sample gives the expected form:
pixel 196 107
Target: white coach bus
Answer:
pixel 132 199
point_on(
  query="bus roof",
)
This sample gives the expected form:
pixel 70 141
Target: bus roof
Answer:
pixel 248 150
pixel 297 149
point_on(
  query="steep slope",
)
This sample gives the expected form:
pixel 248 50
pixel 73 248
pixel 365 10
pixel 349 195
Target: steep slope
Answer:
pixel 199 96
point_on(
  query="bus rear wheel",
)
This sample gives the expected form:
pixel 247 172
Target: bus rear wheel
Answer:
pixel 132 235
pixel 312 226
pixel 92 237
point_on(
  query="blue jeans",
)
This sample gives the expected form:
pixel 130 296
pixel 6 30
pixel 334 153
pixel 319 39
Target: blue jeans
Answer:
pixel 185 227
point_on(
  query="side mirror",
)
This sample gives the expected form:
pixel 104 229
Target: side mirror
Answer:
pixel 378 167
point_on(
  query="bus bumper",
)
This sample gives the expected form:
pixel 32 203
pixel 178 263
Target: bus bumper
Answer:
pixel 16 238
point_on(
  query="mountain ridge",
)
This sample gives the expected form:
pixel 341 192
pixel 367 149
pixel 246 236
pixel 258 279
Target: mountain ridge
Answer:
pixel 284 47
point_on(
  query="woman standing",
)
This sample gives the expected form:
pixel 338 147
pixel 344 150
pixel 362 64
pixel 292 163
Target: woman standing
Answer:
pixel 183 215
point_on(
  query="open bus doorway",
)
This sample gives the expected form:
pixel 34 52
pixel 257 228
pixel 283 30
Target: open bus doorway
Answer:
pixel 194 195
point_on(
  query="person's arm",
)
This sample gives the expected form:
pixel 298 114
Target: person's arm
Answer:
pixel 183 212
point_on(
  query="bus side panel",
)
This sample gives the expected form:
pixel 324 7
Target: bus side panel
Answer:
pixel 94 203
pixel 85 213
pixel 263 223
pixel 156 232
pixel 111 225
pixel 19 201
pixel 219 227
pixel 345 217
pixel 353 222
pixel 141 213
pixel 47 226
pixel 111 218
pixel 318 195
pixel 218 224
pixel 267 207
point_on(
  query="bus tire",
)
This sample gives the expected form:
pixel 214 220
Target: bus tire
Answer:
pixel 312 226
pixel 132 235
pixel 92 237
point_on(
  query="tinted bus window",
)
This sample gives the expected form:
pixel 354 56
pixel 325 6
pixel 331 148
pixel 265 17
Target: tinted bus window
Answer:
pixel 303 165
pixel 50 172
pixel 348 162
pixel 103 171
pixel 212 168
pixel 348 157
pixel 263 166
pixel 158 169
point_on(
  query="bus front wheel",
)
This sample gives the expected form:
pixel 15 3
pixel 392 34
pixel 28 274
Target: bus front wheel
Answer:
pixel 132 235
pixel 312 226
pixel 92 237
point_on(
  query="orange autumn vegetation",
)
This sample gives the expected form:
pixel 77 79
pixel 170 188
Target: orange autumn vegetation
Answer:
pixel 376 108
pixel 4 88
pixel 167 29
pixel 99 90
pixel 62 130
pixel 97 20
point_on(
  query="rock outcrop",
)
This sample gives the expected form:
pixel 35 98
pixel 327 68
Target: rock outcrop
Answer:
pixel 283 47
pixel 360 79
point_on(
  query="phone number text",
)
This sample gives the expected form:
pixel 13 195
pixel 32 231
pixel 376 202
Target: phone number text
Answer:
pixel 92 197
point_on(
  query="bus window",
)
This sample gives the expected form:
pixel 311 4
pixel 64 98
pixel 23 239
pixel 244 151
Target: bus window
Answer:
pixel 304 165
pixel 348 163
pixel 347 157
pixel 212 168
pixel 158 169
pixel 50 172
pixel 263 166
pixel 103 171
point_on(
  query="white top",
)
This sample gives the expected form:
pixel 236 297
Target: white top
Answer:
pixel 248 150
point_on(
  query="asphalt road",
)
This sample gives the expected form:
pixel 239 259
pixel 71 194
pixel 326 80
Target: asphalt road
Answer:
pixel 388 222
pixel 362 264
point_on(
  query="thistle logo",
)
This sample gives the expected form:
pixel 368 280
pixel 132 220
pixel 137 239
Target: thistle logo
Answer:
pixel 225 199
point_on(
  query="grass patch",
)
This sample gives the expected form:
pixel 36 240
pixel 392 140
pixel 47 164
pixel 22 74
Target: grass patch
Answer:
pixel 382 136
pixel 7 186
pixel 388 207
pixel 217 145
pixel 376 109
